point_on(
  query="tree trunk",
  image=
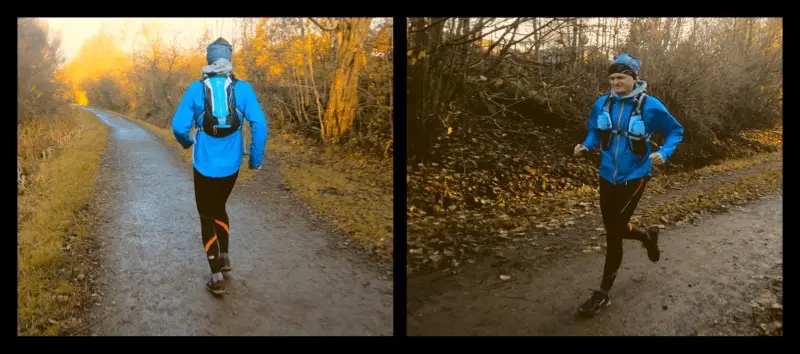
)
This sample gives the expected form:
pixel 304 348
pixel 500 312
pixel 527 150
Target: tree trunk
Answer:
pixel 574 46
pixel 537 38
pixel 678 31
pixel 597 27
pixel 350 36
pixel 419 103
pixel 310 55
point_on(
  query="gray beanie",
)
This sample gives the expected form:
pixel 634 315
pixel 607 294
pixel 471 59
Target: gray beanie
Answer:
pixel 218 50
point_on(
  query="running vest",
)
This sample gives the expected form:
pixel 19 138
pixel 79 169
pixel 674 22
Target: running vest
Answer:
pixel 220 116
pixel 636 132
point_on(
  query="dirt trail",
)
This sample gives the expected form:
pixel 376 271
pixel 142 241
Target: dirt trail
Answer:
pixel 288 277
pixel 706 272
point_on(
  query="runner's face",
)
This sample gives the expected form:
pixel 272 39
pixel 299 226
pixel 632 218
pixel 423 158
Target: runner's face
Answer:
pixel 621 83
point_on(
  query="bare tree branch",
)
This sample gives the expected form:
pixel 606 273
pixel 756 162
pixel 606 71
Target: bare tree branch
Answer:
pixel 321 27
pixel 430 25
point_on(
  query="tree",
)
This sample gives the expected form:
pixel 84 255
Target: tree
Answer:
pixel 343 96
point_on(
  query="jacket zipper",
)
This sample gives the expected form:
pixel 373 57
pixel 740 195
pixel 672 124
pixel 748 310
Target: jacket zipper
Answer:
pixel 616 152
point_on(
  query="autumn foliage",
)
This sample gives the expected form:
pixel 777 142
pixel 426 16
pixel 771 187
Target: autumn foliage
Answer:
pixel 58 156
pixel 496 105
pixel 44 124
pixel 40 88
pixel 329 79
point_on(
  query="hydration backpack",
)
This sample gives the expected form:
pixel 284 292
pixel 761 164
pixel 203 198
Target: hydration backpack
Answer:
pixel 636 130
pixel 220 116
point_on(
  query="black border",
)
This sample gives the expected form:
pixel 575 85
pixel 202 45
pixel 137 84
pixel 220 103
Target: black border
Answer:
pixel 399 218
pixel 400 112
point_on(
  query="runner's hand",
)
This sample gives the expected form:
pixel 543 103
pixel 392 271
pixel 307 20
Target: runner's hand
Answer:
pixel 579 149
pixel 656 158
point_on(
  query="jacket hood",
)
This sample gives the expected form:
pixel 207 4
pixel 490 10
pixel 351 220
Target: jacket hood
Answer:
pixel 219 67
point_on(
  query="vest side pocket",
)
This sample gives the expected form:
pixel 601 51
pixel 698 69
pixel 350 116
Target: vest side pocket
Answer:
pixel 637 138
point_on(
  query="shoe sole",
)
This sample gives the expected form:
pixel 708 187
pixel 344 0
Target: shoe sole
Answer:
pixel 593 313
pixel 654 257
pixel 216 292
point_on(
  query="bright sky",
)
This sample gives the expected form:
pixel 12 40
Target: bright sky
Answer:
pixel 76 30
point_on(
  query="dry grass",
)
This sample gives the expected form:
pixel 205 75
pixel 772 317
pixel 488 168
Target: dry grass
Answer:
pixel 660 183
pixel 39 141
pixel 771 137
pixel 52 237
pixel 353 191
pixel 722 197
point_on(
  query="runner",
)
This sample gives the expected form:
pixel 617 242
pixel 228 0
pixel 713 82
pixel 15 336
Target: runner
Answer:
pixel 216 106
pixel 620 124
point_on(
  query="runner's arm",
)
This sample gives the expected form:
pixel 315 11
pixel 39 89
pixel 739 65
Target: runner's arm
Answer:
pixel 666 125
pixel 258 125
pixel 184 117
pixel 592 139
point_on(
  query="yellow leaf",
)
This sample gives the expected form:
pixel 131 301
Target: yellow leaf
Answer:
pixel 532 171
pixel 422 54
pixel 449 130
pixel 410 52
pixel 413 61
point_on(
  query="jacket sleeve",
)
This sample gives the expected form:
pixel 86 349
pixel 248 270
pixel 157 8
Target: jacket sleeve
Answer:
pixel 592 139
pixel 258 124
pixel 666 125
pixel 184 118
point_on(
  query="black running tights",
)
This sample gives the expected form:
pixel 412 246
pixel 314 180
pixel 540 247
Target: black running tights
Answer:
pixel 211 195
pixel 617 203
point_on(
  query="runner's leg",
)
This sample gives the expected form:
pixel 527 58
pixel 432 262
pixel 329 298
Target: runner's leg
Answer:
pixel 204 190
pixel 610 197
pixel 617 203
pixel 649 238
pixel 634 190
pixel 224 190
pixel 609 200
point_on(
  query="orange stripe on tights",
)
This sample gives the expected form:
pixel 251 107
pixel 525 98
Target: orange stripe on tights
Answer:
pixel 211 241
pixel 223 226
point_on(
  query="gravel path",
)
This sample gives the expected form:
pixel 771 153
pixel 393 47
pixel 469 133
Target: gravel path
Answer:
pixel 706 272
pixel 288 276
